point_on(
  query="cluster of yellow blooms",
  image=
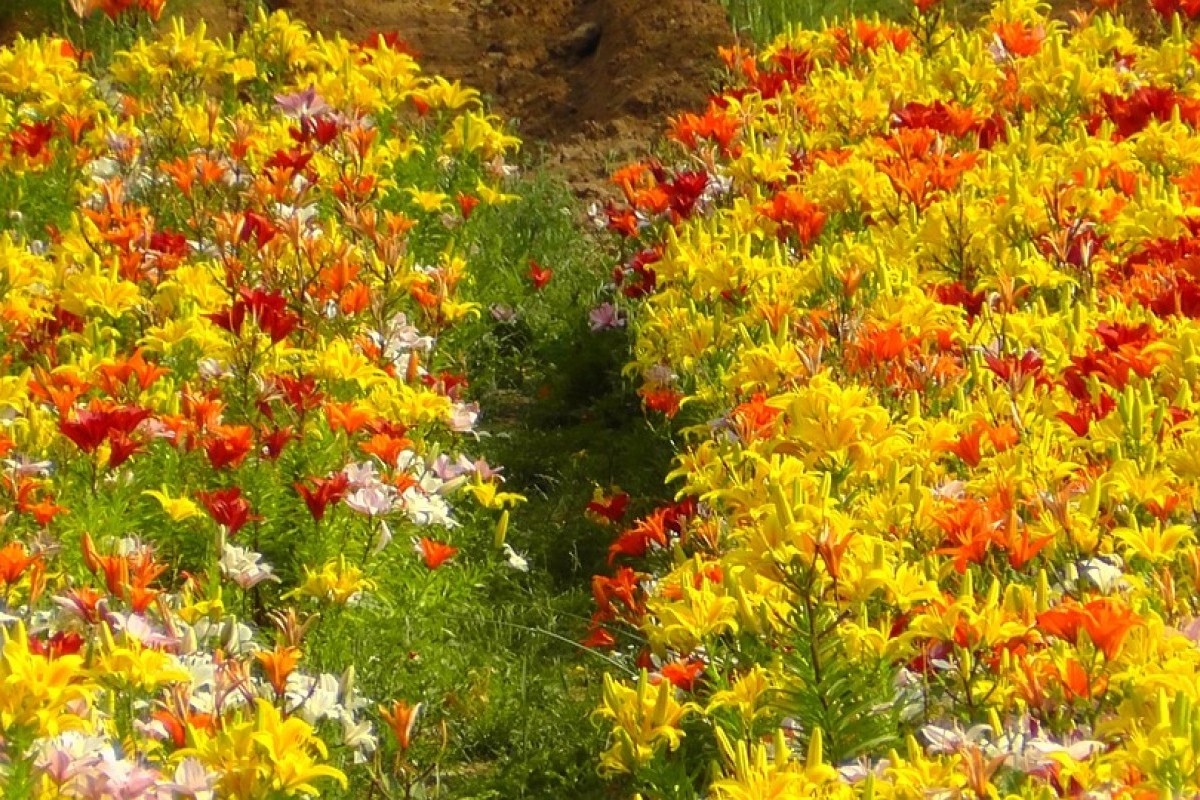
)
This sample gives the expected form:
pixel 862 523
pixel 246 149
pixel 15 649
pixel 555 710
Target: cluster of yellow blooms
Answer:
pixel 224 272
pixel 928 300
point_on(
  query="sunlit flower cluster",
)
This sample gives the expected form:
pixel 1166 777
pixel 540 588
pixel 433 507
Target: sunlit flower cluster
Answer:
pixel 224 281
pixel 925 303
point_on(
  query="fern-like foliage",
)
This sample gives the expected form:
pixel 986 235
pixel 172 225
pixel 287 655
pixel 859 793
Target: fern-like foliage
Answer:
pixel 848 697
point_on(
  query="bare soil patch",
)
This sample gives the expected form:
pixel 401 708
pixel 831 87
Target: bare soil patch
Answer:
pixel 17 19
pixel 220 17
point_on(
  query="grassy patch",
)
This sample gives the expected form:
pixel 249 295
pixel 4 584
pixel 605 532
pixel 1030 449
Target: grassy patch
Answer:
pixel 765 19
pixel 562 421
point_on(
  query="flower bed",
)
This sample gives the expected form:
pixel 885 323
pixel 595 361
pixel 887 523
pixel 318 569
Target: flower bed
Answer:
pixel 924 303
pixel 230 398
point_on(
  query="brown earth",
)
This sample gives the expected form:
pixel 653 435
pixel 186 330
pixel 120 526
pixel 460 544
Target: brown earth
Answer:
pixel 16 19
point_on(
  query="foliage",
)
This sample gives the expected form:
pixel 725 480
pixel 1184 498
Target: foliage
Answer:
pixel 848 699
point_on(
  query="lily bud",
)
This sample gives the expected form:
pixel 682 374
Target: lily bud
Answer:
pixel 1042 595
pixel 501 530
pixel 816 750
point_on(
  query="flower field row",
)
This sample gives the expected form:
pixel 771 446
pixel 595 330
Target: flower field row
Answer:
pixel 924 303
pixel 235 428
pixel 921 303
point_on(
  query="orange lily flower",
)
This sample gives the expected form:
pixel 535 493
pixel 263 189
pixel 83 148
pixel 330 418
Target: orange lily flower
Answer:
pixel 435 553
pixel 346 417
pixel 401 718
pixel 279 664
pixel 14 560
pixel 385 447
pixel 1106 622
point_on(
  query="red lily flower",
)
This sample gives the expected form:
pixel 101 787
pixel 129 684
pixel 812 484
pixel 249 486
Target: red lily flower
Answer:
pixel 655 528
pixel 956 294
pixel 445 382
pixel 610 508
pixel 539 275
pixel 229 508
pixel 1080 421
pixel 323 492
pixel 598 638
pixel 274 440
pixel 269 311
pixel 295 161
pixel 30 138
pixel 91 426
pixel 638 279
pixel 467 204
pixel 665 401
pixel 230 319
pixel 685 190
pixel 228 445
pixel 1016 372
pixel 257 227
pixel 390 40
pixel 624 587
pixel 301 393
pixel 60 643
pixel 1168 8
pixel 121 449
pixel 1146 104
